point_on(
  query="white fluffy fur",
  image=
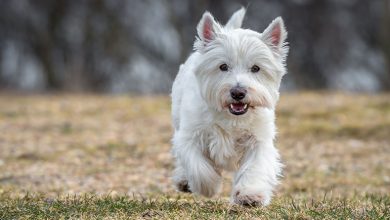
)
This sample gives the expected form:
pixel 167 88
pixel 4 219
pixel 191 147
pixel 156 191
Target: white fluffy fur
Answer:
pixel 208 138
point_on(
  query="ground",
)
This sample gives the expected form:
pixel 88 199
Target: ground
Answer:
pixel 92 156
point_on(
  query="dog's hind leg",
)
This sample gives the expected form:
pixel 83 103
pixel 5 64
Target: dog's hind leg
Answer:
pixel 193 169
pixel 180 179
pixel 203 178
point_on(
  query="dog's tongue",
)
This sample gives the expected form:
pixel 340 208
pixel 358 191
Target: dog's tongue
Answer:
pixel 238 107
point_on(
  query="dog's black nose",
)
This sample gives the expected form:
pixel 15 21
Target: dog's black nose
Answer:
pixel 238 93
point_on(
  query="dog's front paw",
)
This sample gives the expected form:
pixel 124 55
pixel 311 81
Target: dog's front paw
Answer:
pixel 183 186
pixel 250 199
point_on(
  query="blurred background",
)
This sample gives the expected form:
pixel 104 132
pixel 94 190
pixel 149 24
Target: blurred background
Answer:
pixel 109 46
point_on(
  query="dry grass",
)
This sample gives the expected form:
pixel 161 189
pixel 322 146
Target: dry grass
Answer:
pixel 334 144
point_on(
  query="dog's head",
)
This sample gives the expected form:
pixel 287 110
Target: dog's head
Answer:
pixel 240 69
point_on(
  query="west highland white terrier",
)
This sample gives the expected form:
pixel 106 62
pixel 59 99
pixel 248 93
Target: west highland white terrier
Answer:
pixel 223 109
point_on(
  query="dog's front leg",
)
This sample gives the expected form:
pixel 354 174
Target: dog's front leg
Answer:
pixel 194 168
pixel 257 175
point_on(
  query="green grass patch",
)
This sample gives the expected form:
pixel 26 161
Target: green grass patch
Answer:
pixel 125 207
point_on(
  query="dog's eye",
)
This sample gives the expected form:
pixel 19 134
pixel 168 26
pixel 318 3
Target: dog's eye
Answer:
pixel 255 69
pixel 224 67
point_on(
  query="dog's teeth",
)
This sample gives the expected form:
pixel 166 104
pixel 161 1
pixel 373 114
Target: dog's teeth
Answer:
pixel 246 105
pixel 231 106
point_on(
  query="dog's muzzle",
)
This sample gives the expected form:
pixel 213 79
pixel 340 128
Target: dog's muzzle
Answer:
pixel 238 93
pixel 238 107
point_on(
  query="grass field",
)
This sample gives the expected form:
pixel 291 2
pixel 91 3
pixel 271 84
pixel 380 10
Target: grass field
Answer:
pixel 89 156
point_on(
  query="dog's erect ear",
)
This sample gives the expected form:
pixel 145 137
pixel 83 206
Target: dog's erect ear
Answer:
pixel 207 28
pixel 236 20
pixel 275 36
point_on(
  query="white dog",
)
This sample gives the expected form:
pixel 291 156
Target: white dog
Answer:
pixel 223 102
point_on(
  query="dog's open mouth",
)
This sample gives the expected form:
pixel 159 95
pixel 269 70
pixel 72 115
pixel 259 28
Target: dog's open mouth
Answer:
pixel 238 108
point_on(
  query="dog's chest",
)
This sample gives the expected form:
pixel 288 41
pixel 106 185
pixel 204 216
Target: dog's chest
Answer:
pixel 244 140
pixel 227 148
